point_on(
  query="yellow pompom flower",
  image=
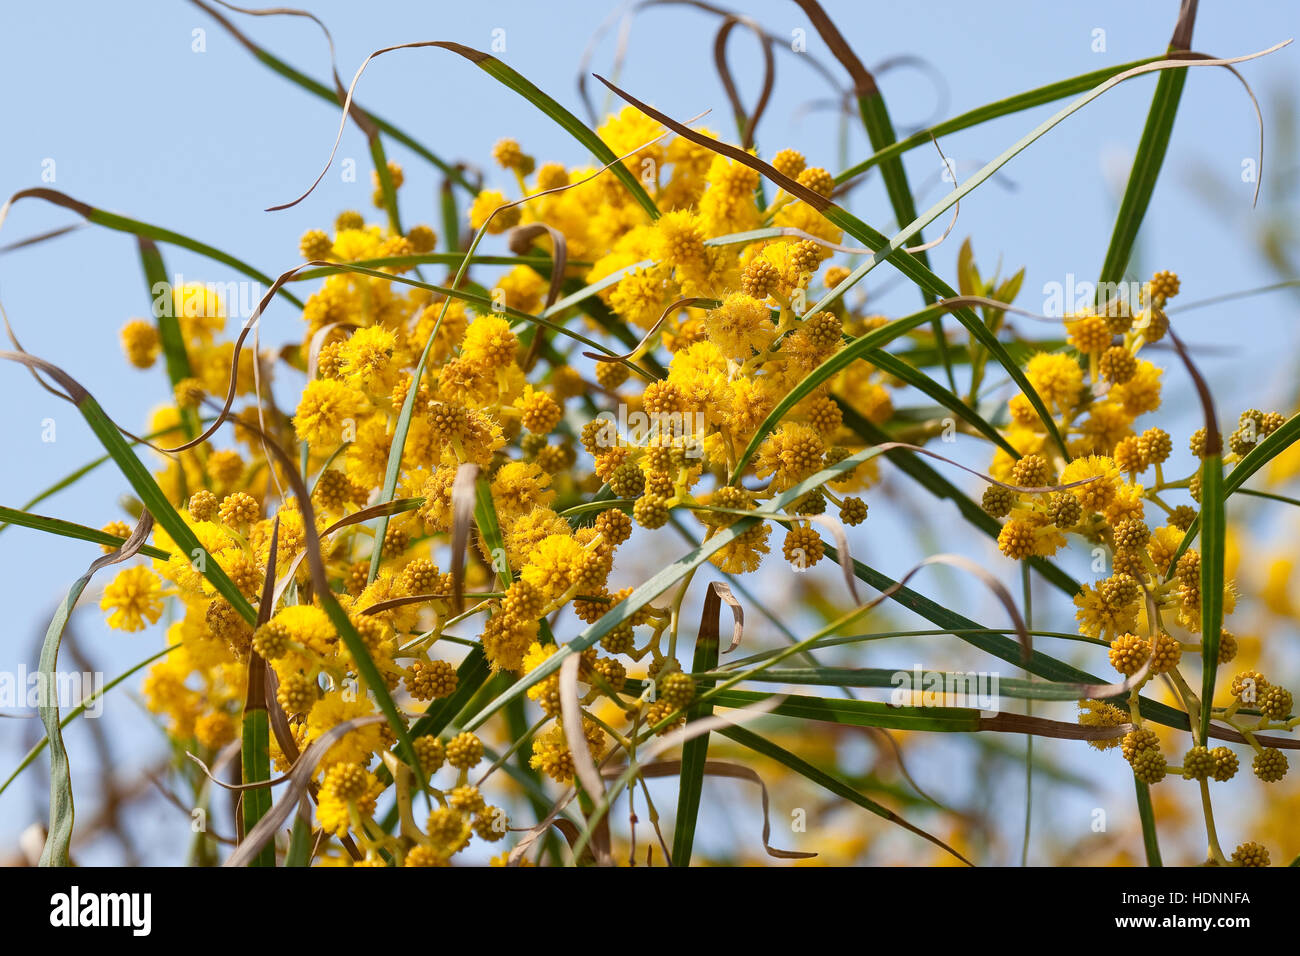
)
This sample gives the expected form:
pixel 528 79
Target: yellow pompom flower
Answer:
pixel 356 746
pixel 553 563
pixel 489 342
pixel 307 625
pixel 1088 333
pixel 522 289
pixel 740 326
pixel 679 241
pixel 632 130
pixel 352 245
pixel 325 405
pixel 1141 393
pixel 520 486
pixel 134 597
pixel 200 312
pixel 366 359
pixel 140 343
pixel 640 297
pixel 485 204
pixel 1057 378
pixel 1102 478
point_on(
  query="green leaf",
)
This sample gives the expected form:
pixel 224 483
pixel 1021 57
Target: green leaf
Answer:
pixel 1146 171
pixel 62 811
pixel 1008 687
pixel 137 228
pixel 485 515
pixel 169 327
pixel 968 275
pixel 695 752
pixel 859 713
pixel 880 131
pixel 566 120
pixel 300 842
pixel 256 766
pixel 1150 839
pixel 989 111
pixel 1213 534
pixel 386 187
pixel 67 529
pixel 450 213
pixel 762 745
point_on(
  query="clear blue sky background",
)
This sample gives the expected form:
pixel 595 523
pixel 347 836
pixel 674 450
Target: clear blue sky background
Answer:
pixel 137 122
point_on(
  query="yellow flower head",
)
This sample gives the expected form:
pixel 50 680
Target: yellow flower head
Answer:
pixel 353 245
pixel 553 563
pixel 134 597
pixel 366 359
pixel 633 130
pixel 489 342
pixel 520 486
pixel 325 406
pixel 641 296
pixel 140 342
pixel 488 202
pixel 356 746
pixel 1057 378
pixel 307 625
pixel 200 312
pixel 740 326
pixel 1099 493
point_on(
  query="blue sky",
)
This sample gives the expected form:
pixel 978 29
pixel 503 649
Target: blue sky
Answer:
pixel 140 114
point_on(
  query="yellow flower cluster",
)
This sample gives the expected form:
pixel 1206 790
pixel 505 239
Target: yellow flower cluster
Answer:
pixel 1112 493
pixel 575 456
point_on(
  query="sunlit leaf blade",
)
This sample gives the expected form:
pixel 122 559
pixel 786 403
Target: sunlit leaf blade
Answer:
pixel 256 765
pixel 1146 814
pixel 68 529
pixel 135 227
pixel 695 752
pixel 1146 171
pixel 990 111
pixel 1213 534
